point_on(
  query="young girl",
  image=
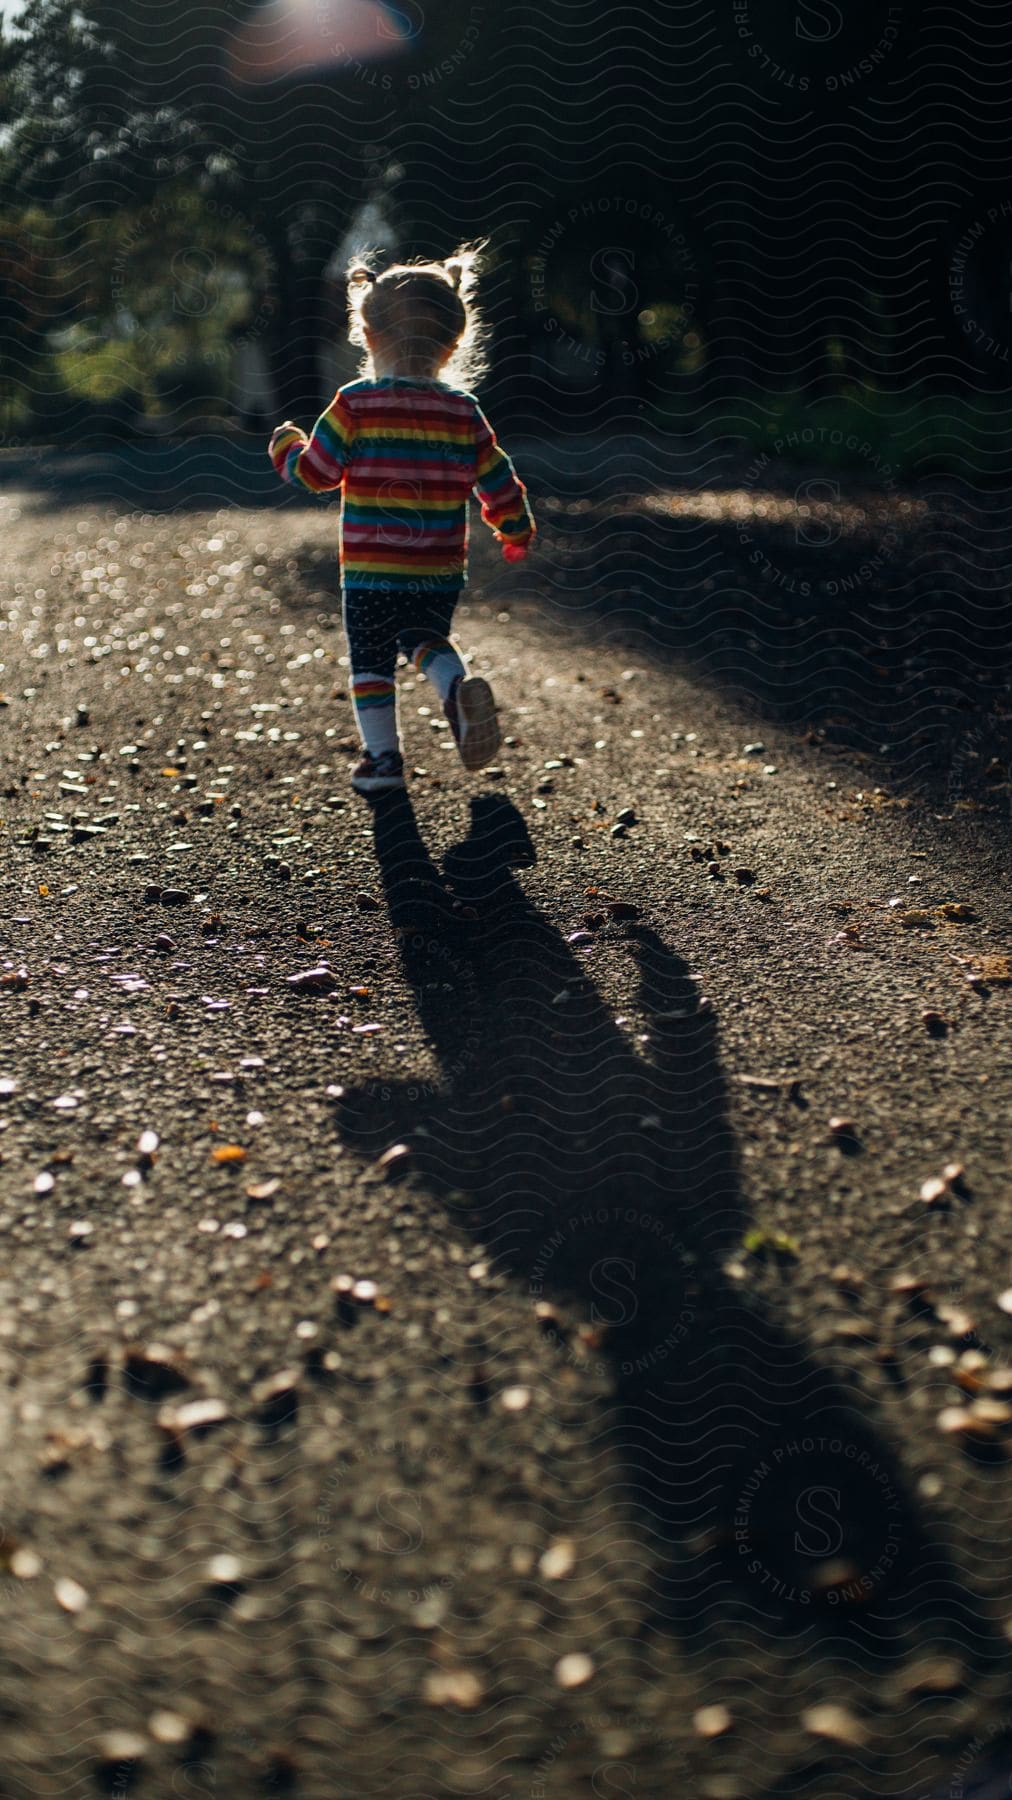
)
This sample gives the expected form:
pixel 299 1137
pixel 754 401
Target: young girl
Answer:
pixel 408 444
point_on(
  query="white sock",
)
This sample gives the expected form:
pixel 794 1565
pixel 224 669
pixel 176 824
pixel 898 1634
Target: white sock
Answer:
pixel 440 663
pixel 375 701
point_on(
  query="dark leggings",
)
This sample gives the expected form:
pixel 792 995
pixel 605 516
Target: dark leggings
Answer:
pixel 378 624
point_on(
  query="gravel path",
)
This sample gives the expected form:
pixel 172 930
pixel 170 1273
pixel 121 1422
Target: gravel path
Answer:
pixel 522 1359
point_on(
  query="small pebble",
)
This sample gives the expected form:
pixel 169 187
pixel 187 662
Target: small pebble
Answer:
pixel 170 1728
pixel 394 1161
pixel 453 1687
pixel 574 1670
pixel 933 1675
pixel 711 1721
pixel 835 1723
pixel 312 981
pixel 196 1415
pixel 933 1191
pixel 516 1399
pixel 25 1564
pixel 116 1748
pixel 277 1398
pixel 558 1560
pixel 70 1595
pixel 224 1570
pixel 154 1369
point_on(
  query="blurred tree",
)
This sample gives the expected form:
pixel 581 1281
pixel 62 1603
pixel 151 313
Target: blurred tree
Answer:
pixel 780 146
pixel 102 112
pixel 33 298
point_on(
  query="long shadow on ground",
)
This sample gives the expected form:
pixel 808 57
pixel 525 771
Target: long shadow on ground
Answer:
pixel 603 1178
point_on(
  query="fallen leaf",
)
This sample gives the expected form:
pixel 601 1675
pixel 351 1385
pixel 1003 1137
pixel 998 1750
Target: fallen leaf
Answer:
pixel 995 970
pixel 761 1243
pixel 228 1153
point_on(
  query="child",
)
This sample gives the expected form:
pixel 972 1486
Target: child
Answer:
pixel 408 445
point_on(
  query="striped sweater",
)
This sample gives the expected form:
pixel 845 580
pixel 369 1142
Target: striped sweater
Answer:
pixel 406 455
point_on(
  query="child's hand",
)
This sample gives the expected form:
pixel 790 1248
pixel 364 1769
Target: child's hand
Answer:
pixel 288 429
pixel 513 552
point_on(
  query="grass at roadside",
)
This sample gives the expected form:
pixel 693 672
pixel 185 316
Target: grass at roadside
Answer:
pixel 917 432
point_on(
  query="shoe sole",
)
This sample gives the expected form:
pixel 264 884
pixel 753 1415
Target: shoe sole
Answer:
pixel 378 784
pixel 479 724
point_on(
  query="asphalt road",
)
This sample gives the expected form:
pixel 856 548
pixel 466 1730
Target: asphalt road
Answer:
pixel 524 1359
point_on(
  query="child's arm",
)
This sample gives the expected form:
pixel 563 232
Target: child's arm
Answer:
pixel 504 503
pixel 316 463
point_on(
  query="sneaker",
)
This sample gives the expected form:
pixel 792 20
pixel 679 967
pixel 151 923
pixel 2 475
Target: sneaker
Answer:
pixel 471 712
pixel 378 774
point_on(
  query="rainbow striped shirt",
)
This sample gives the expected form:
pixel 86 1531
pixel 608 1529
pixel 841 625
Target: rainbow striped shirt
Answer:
pixel 406 455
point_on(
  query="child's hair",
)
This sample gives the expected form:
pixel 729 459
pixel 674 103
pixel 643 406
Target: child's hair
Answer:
pixel 422 310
